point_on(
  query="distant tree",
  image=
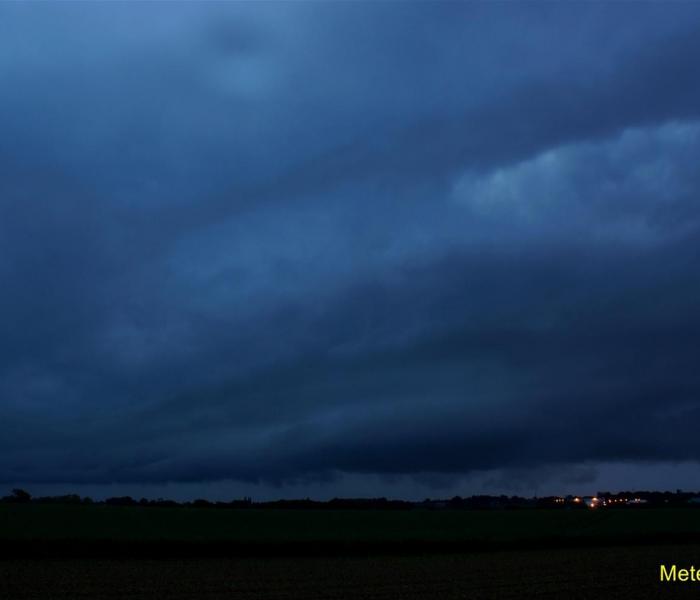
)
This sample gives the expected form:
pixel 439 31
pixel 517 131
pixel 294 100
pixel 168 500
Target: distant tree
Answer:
pixel 66 499
pixel 19 495
pixel 121 501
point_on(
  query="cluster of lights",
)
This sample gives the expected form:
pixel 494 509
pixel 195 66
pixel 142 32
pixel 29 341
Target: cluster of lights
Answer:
pixel 595 501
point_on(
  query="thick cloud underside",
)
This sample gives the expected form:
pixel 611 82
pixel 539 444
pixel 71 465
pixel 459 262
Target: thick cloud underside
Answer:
pixel 278 242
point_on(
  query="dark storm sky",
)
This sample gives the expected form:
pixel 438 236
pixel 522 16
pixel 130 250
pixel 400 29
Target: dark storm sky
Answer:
pixel 312 244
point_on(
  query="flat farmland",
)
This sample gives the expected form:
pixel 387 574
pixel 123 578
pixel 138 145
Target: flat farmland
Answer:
pixel 631 572
pixel 252 528
pixel 62 552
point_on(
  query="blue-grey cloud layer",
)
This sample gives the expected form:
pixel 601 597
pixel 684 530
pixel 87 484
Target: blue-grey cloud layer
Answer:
pixel 280 241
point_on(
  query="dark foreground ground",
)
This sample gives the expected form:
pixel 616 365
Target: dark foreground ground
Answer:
pixel 565 573
pixel 62 552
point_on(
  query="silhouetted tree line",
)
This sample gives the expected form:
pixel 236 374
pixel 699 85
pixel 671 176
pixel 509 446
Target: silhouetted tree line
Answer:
pixel 619 500
pixel 649 499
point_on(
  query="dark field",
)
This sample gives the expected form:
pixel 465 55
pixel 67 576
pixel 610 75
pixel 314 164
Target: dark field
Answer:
pixel 116 552
pixel 134 524
pixel 568 573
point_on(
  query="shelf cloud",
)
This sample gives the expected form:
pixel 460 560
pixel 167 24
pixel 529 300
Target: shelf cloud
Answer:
pixel 279 243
